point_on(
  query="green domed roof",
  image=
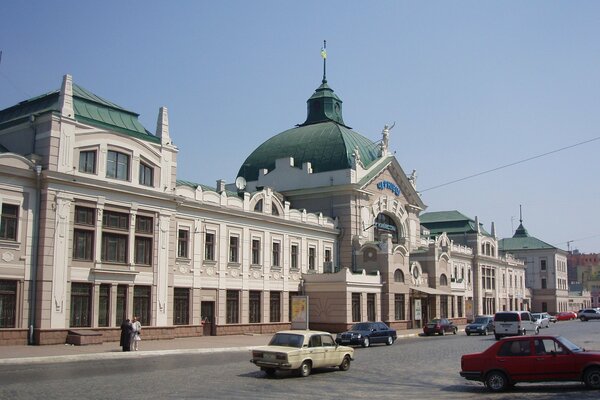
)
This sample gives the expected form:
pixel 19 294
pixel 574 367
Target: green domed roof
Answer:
pixel 323 140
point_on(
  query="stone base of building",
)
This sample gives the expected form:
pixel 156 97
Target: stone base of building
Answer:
pixel 11 337
pixel 243 329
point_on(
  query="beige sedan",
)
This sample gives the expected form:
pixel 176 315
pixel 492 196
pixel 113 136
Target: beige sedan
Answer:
pixel 302 351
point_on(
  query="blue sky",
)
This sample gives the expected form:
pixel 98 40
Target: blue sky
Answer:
pixel 471 85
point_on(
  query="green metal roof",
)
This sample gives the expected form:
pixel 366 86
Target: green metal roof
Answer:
pixel 450 222
pixel 522 241
pixel 89 109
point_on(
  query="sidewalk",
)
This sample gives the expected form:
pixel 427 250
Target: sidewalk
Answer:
pixel 12 355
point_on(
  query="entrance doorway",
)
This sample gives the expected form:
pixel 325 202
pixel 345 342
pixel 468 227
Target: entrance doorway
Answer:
pixel 207 315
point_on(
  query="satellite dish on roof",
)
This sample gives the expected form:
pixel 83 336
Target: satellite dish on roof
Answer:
pixel 240 183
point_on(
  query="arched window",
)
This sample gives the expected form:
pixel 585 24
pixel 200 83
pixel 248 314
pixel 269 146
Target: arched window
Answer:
pixel 274 210
pixel 385 224
pixel 399 276
pixel 259 206
pixel 443 280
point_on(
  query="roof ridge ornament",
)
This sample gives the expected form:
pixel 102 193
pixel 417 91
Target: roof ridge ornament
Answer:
pixel 324 55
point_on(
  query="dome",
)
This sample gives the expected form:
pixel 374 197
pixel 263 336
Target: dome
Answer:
pixel 323 140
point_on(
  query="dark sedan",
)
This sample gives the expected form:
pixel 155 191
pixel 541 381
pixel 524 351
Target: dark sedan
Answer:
pixel 482 325
pixel 367 333
pixel 440 326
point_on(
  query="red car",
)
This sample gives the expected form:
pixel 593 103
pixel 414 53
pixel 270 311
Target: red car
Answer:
pixel 566 316
pixel 532 359
pixel 440 326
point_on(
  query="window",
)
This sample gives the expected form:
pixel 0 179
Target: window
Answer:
pixel 276 252
pixel 121 304
pixel 234 249
pixel 143 240
pixel 443 280
pixel 87 161
pixel 311 258
pixel 255 251
pixel 83 233
pixel 8 222
pixel 444 306
pixel 514 348
pixel 114 248
pixel 259 206
pixel 399 307
pixel 209 247
pixel 146 175
pixel 104 305
pixel 8 304
pixel 115 220
pixel 274 210
pixel 233 307
pixel 371 307
pixel 355 307
pixel 543 265
pixel 544 283
pixel 183 239
pixel 254 309
pixel 117 165
pixel 141 304
pixel 81 302
pixel 327 255
pixel 384 224
pixel 275 307
pixel 399 276
pixel 460 306
pixel 294 257
pixel 181 306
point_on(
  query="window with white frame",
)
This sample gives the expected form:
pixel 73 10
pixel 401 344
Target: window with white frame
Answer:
pixel 144 230
pixel 117 165
pixel 87 161
pixel 294 256
pixel 8 222
pixel 83 233
pixel 146 177
pixel 115 236
pixel 183 242
pixel 209 246
pixel 311 258
pixel 276 254
pixel 234 244
pixel 256 251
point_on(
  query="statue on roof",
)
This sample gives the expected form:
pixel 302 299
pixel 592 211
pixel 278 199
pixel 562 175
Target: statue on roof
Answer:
pixel 356 155
pixel 385 140
pixel 413 178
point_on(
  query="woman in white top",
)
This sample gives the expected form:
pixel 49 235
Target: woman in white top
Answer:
pixel 137 328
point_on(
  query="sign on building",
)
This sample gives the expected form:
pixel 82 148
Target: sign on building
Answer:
pixel 299 312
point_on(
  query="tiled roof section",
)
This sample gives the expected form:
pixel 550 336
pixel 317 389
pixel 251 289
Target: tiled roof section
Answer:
pixel 89 109
pixel 522 241
pixel 328 146
pixel 450 222
pixel 193 185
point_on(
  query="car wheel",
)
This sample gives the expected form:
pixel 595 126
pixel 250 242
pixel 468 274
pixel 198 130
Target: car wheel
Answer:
pixel 497 337
pixel 270 372
pixel 366 342
pixel 442 332
pixel 390 340
pixel 496 381
pixel 537 330
pixel 591 378
pixel 484 332
pixel 583 319
pixel 468 333
pixel 305 369
pixel 454 331
pixel 345 365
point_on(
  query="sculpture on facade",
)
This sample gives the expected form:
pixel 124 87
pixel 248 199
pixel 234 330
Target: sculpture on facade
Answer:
pixel 385 139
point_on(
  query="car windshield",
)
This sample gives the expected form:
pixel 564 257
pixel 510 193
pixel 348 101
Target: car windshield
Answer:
pixel 435 321
pixel 569 345
pixel 361 327
pixel 481 320
pixel 287 339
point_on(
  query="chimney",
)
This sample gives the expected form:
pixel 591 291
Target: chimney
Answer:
pixel 220 185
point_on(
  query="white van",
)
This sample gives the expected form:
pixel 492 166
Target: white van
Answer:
pixel 514 323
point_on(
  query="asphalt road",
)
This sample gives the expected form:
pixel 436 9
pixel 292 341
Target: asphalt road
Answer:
pixel 415 368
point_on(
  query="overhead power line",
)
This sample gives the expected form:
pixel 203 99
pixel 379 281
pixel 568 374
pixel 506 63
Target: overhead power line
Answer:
pixel 510 165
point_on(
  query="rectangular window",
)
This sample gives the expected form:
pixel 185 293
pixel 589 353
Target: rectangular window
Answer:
pixel 276 253
pixel 87 161
pixel 114 248
pixel 141 304
pixel 371 307
pixel 444 306
pixel 83 245
pixel 143 224
pixel 327 255
pixel 254 307
pixel 146 175
pixel 544 285
pixel 143 250
pixel 115 220
pixel 294 257
pixel 543 265
pixel 181 305
pixel 275 306
pixel 233 249
pixel 255 251
pixel 399 314
pixel 121 304
pixel 104 305
pixel 85 216
pixel 233 307
pixel 460 306
pixel 8 222
pixel 8 304
pixel 209 247
pixel 81 303
pixel 117 165
pixel 183 240
pixel 355 307
pixel 311 258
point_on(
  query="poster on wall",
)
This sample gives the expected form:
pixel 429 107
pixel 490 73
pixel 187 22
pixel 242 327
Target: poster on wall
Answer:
pixel 417 309
pixel 469 309
pixel 299 312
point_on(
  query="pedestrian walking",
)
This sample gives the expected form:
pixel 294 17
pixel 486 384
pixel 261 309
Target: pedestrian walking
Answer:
pixel 136 331
pixel 126 330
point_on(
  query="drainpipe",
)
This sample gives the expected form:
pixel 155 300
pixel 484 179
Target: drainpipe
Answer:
pixel 34 251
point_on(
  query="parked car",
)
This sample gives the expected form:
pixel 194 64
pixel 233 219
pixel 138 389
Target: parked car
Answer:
pixel 514 323
pixel 302 351
pixel 481 325
pixel 532 359
pixel 542 320
pixel 566 316
pixel 589 313
pixel 551 317
pixel 366 334
pixel 440 326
